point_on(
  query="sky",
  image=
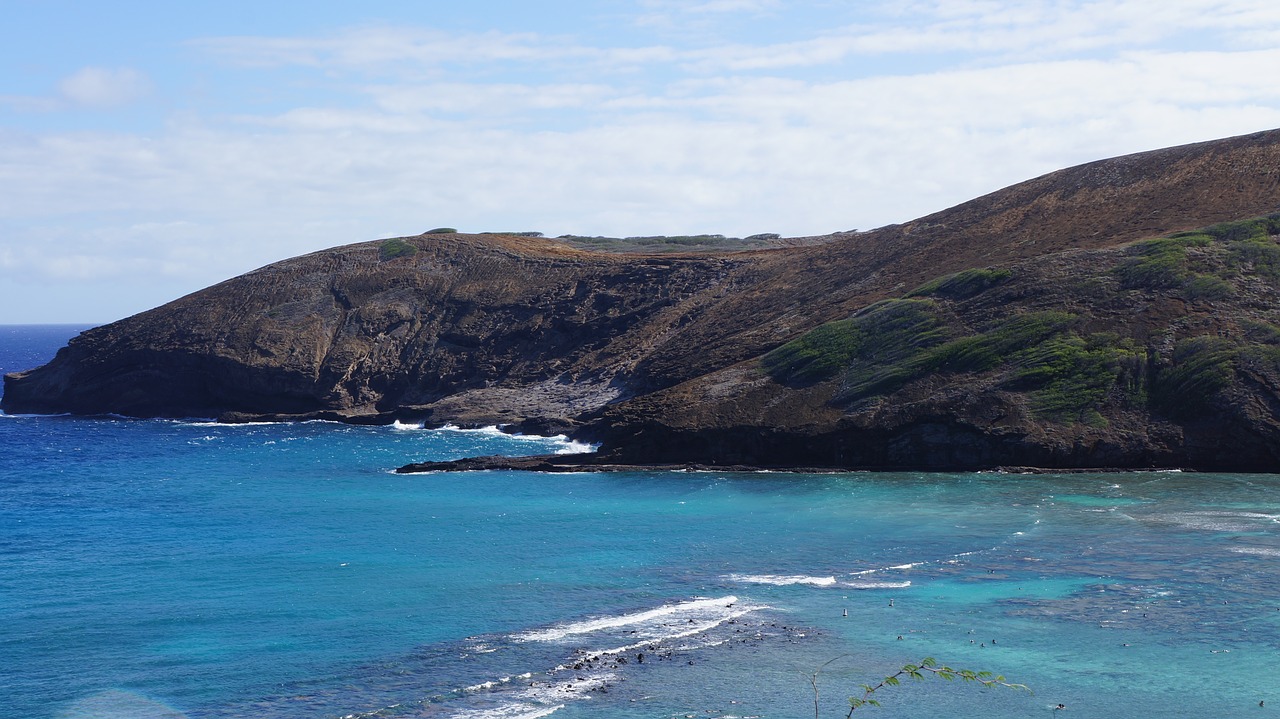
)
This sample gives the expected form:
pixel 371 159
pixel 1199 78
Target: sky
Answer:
pixel 149 149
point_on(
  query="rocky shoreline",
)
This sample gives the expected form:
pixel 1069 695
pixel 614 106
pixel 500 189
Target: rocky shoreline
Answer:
pixel 591 462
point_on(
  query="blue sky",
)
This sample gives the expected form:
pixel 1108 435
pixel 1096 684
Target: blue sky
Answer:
pixel 150 149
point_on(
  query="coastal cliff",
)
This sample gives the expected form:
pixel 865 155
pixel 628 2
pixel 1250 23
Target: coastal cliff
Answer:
pixel 1122 313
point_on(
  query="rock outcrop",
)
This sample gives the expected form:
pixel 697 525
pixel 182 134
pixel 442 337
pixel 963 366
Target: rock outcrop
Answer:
pixel 1040 325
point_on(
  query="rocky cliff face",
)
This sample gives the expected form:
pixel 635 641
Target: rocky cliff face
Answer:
pixel 358 332
pixel 1058 343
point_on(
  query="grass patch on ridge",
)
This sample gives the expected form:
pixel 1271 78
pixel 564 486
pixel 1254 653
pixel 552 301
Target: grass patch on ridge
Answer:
pixel 1201 367
pixel 1069 376
pixel 396 247
pixel 884 334
pixel 963 284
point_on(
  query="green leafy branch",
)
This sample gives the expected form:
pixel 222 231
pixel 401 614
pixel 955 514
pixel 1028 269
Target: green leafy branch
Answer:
pixel 927 666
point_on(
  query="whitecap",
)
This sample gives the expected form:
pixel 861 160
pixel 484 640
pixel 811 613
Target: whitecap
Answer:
pixel 1259 551
pixel 876 585
pixel 514 710
pixel 540 700
pixel 718 609
pixel 573 446
pixel 566 445
pixel 1218 521
pixel 782 580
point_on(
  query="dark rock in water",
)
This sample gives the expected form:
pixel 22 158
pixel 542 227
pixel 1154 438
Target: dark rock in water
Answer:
pixel 1042 325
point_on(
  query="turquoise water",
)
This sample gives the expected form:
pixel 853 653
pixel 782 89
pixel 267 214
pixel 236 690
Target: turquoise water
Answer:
pixel 187 569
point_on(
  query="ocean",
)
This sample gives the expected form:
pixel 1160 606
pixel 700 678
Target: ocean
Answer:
pixel 166 569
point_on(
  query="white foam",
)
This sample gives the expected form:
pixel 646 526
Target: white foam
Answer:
pixel 542 699
pixel 876 585
pixel 782 580
pixel 708 608
pixel 567 446
pixel 1259 551
pixel 572 446
pixel 515 710
pixel 687 630
pixel 1219 521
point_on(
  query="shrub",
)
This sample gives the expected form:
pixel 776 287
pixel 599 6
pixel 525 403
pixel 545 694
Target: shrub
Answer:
pixel 1245 230
pixel 1069 377
pixel 1207 287
pixel 1201 367
pixel 1155 264
pixel 985 351
pixel 1262 255
pixel 964 284
pixel 1197 238
pixel 396 247
pixel 895 366
pixel 1261 332
pixel 885 334
pixel 441 231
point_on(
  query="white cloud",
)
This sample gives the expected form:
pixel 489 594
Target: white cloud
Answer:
pixel 486 99
pixel 995 30
pixel 29 103
pixel 388 46
pixel 504 131
pixel 729 155
pixel 104 87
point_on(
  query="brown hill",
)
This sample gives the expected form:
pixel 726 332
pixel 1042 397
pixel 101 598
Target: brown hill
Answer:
pixel 668 355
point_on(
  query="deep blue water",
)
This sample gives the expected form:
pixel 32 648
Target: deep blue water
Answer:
pixel 169 569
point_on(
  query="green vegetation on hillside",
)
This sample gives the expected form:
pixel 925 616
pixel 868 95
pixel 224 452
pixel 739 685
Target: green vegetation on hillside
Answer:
pixel 1201 366
pixel 879 342
pixel 1221 252
pixel 1158 264
pixel 396 247
pixel 987 350
pixel 895 342
pixel 964 284
pixel 1066 375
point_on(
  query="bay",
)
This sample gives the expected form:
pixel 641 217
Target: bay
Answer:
pixel 155 568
